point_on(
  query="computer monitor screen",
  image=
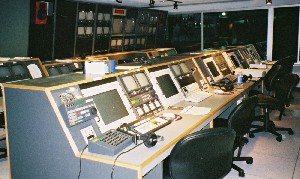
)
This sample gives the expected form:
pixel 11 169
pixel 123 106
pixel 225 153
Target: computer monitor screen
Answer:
pixel 107 17
pixel 184 68
pixel 167 86
pixel 110 106
pixel 213 69
pixel 235 61
pixel 81 31
pixel 53 71
pixel 19 70
pixel 129 83
pixel 142 79
pixel 176 70
pixel 5 72
pixel 65 69
pixel 89 30
pixel 113 107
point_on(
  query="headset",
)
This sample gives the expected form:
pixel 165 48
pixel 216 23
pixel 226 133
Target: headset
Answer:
pixel 149 139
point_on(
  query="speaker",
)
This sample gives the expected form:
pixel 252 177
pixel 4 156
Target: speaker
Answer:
pixel 149 139
pixel 41 9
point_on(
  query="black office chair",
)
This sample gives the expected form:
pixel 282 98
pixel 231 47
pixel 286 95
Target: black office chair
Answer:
pixel 287 64
pixel 3 151
pixel 203 154
pixel 269 80
pixel 240 120
pixel 283 91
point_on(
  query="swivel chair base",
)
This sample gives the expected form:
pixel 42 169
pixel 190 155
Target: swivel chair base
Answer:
pixel 249 160
pixel 270 127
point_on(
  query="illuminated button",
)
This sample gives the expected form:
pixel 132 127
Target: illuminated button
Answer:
pixel 157 103
pixel 152 106
pixel 146 108
pixel 139 111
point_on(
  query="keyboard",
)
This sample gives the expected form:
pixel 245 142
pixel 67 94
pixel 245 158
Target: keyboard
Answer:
pixel 231 77
pixel 150 124
pixel 197 96
pixel 110 142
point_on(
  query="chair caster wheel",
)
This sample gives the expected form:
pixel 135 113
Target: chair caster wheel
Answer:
pixel 249 161
pixel 291 132
pixel 251 135
pixel 279 138
pixel 241 173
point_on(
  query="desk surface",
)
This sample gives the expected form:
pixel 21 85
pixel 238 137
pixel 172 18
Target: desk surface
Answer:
pixel 143 159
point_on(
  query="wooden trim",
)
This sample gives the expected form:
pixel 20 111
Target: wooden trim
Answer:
pixel 11 85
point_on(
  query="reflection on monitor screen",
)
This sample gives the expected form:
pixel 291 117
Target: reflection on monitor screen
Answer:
pixel 213 69
pixel 184 68
pixel 5 72
pixel 81 15
pixel 53 71
pixel 110 106
pixel 167 85
pixel 130 83
pixel 90 15
pixel 142 79
pixel 117 26
pixel 65 69
pixel 19 70
pixel 235 61
pixel 176 70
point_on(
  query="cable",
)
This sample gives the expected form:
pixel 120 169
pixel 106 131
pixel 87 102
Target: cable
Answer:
pixel 113 167
pixel 80 161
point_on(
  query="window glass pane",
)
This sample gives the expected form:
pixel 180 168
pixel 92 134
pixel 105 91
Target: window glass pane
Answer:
pixel 285 32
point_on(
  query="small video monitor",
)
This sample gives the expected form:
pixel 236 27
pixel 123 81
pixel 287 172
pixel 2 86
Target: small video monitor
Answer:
pixel 129 26
pixel 119 42
pixel 176 70
pixel 184 68
pixel 130 83
pixel 89 31
pixel 142 79
pixel 117 26
pixel 99 30
pixel 106 30
pixel 90 15
pixel 167 85
pixel 65 69
pixel 53 71
pixel 107 17
pixel 100 16
pixel 82 15
pixel 81 31
pixel 113 42
pixel 5 72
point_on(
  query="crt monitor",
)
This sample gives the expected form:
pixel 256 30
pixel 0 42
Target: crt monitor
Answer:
pixel 5 73
pixel 166 87
pixel 112 105
pixel 53 71
pixel 19 71
pixel 65 69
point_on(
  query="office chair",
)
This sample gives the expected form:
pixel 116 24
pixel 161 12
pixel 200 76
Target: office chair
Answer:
pixel 202 154
pixel 240 120
pixel 269 80
pixel 287 64
pixel 283 91
pixel 3 151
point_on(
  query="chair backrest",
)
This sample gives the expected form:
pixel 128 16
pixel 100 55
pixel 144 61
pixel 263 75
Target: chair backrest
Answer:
pixel 287 63
pixel 285 86
pixel 242 116
pixel 272 77
pixel 204 154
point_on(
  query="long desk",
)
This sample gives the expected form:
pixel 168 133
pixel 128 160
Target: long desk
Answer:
pixel 40 146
